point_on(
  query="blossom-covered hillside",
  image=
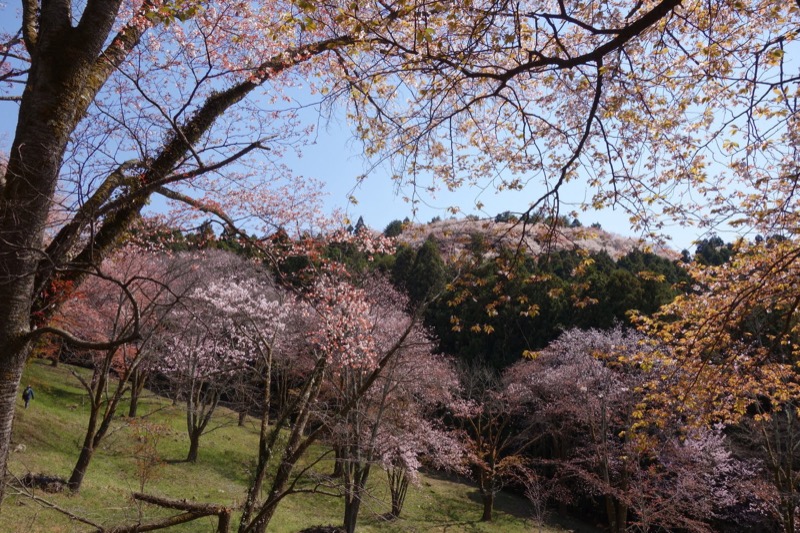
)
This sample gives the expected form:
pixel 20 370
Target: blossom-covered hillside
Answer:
pixel 455 236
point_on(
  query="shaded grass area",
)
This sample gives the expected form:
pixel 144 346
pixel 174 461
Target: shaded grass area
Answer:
pixel 52 428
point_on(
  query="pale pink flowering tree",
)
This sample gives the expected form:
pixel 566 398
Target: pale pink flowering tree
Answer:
pixel 201 361
pixel 486 413
pixel 583 408
pixel 582 395
pixel 224 334
pixel 411 434
pixel 691 481
pixel 340 352
pixel 258 315
pixel 258 312
pixel 387 425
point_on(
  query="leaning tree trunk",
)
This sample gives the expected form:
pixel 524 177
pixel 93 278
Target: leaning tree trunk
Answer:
pixel 294 449
pixel 99 422
pixel 87 451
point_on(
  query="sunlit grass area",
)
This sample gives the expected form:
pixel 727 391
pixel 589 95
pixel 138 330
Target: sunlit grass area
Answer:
pixel 51 432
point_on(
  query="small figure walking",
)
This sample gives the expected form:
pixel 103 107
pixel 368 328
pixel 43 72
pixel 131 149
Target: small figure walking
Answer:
pixel 27 395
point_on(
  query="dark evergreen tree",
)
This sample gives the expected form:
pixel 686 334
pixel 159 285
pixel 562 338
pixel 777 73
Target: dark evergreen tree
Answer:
pixel 428 274
pixel 394 228
pixel 713 251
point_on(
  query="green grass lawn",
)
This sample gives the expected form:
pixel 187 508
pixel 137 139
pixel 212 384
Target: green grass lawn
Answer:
pixel 51 430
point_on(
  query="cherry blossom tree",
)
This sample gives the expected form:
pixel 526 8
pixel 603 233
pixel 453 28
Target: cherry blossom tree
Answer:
pixel 587 407
pixel 331 333
pixel 387 425
pixel 224 331
pixel 583 394
pixel 99 310
pixel 486 413
pixel 412 434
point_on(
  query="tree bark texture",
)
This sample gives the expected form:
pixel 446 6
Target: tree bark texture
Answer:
pixel 57 93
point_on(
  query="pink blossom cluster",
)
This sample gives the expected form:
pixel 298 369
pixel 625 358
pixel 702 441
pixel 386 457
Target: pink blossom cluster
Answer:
pixel 344 331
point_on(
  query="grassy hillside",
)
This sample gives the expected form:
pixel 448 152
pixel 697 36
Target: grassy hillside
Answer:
pixel 51 430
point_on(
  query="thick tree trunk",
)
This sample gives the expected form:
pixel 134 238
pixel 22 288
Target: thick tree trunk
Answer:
pixel 488 506
pixel 617 515
pixel 351 509
pixel 57 93
pixel 12 362
pixel 622 517
pixel 194 446
pixel 242 418
pixel 354 495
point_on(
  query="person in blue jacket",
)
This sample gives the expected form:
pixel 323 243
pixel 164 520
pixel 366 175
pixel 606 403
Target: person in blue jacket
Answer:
pixel 27 395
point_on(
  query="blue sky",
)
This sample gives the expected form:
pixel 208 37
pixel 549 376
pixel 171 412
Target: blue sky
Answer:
pixel 335 159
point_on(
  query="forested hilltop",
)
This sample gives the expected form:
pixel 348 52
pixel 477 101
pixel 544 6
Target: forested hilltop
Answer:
pixel 505 289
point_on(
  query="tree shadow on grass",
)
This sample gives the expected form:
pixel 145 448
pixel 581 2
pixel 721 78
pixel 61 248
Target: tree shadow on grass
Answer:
pixel 505 502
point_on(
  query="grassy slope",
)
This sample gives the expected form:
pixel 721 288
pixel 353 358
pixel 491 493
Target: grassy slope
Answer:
pixel 52 427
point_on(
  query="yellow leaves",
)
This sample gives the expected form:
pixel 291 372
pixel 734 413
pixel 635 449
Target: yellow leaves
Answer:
pixel 555 293
pixel 729 145
pixel 482 328
pixel 530 355
pixel 583 267
pixel 584 302
pixel 648 275
pixel 774 56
